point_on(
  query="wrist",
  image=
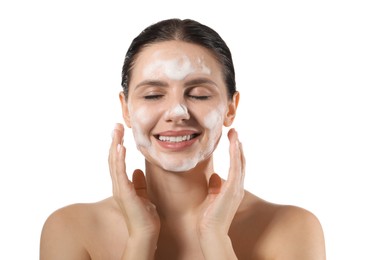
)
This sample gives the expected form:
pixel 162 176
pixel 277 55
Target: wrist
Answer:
pixel 216 245
pixel 213 237
pixel 140 247
pixel 143 239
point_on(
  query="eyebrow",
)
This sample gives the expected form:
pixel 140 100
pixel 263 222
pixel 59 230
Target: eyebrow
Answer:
pixel 159 83
pixel 154 83
pixel 200 81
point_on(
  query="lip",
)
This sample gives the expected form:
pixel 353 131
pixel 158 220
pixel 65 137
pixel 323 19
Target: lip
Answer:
pixel 177 146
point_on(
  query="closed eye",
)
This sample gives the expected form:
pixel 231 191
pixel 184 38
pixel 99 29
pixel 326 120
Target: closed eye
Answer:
pixel 199 97
pixel 153 97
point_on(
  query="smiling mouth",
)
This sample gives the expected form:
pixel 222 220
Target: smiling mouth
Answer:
pixel 176 139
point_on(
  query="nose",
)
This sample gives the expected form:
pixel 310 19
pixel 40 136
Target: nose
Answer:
pixel 177 113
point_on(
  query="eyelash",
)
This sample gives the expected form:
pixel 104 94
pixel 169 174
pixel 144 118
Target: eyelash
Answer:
pixel 153 97
pixel 199 97
pixel 156 97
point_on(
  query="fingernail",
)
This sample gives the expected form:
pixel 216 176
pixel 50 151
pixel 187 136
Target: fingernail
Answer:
pixel 118 147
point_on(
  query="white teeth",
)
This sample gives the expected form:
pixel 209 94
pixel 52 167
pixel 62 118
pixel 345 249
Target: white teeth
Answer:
pixel 175 139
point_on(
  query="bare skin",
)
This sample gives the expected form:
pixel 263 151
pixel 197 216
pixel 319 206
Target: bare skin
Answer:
pixel 260 230
pixel 191 214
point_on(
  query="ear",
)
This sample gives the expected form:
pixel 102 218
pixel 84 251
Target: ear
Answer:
pixel 231 110
pixel 125 109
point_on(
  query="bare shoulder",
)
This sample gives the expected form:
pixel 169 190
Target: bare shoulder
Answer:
pixel 74 231
pixel 301 230
pixel 278 231
pixel 62 233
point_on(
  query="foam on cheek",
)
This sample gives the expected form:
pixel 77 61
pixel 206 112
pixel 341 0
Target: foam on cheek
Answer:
pixel 214 118
pixel 175 69
pixel 214 121
pixel 139 119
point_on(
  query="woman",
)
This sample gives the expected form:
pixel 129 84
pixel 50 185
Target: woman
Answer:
pixel 178 92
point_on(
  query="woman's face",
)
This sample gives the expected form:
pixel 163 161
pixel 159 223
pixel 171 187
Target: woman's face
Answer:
pixel 177 104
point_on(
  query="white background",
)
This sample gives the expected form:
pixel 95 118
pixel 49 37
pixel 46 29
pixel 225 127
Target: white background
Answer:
pixel 302 70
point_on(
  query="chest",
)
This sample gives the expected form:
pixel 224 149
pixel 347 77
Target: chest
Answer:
pixel 108 242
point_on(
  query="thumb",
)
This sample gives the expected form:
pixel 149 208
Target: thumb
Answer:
pixel 214 184
pixel 139 182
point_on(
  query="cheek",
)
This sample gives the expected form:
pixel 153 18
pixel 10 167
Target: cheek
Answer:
pixel 213 122
pixel 142 122
pixel 214 119
pixel 141 117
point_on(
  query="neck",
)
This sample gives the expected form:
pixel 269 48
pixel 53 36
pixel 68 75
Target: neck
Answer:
pixel 178 195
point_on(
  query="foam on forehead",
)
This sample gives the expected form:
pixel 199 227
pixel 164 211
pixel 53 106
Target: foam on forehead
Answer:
pixel 176 68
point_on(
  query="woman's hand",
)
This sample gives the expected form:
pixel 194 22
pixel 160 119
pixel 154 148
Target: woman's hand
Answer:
pixel 221 204
pixel 140 214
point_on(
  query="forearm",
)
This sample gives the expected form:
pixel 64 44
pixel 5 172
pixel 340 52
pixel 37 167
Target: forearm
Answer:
pixel 140 249
pixel 216 247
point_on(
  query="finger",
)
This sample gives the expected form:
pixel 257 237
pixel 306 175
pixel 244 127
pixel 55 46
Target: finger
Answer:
pixel 235 158
pixel 117 160
pixel 112 159
pixel 243 164
pixel 120 170
pixel 118 135
pixel 214 184
pixel 139 182
pixel 117 138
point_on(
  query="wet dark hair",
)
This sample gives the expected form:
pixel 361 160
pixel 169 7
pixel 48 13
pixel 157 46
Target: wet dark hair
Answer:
pixel 187 31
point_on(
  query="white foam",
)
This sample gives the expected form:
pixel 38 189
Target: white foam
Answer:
pixel 175 69
pixel 178 111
